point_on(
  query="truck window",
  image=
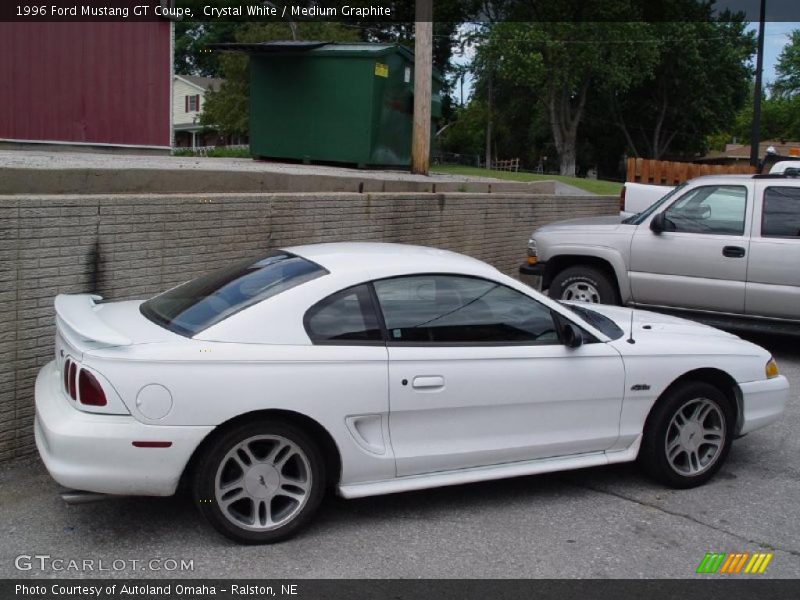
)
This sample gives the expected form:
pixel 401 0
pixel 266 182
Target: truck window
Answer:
pixel 711 209
pixel 781 212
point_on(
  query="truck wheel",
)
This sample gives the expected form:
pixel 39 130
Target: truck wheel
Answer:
pixel 583 284
pixel 260 482
pixel 687 436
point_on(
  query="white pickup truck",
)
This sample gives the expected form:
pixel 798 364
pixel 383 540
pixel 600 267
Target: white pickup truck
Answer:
pixel 723 246
pixel 637 197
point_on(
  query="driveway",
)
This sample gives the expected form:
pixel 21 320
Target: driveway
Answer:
pixel 603 522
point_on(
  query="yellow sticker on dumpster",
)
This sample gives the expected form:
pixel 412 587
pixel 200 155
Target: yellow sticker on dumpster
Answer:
pixel 381 70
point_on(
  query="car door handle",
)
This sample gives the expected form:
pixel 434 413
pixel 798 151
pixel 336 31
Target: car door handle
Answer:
pixel 428 382
pixel 733 251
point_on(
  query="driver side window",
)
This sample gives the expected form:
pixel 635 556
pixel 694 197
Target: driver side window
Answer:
pixel 452 309
pixel 713 209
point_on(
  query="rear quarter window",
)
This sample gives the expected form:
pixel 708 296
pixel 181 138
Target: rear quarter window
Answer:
pixel 200 303
pixel 343 318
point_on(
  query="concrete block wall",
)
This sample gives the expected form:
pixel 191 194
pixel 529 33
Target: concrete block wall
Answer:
pixel 133 246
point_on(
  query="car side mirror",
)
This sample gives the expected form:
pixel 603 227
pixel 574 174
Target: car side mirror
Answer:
pixel 658 223
pixel 571 335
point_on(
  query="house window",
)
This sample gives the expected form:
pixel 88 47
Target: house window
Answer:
pixel 193 103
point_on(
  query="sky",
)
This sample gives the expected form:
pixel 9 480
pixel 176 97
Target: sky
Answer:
pixel 776 36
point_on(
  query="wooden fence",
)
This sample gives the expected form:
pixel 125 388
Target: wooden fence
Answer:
pixel 663 172
pixel 506 165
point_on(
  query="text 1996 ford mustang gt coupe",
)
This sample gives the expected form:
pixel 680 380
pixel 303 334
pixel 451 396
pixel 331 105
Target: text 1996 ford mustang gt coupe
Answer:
pixel 378 368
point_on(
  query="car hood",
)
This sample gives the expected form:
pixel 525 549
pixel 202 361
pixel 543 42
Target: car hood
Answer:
pixel 656 334
pixel 648 324
pixel 609 223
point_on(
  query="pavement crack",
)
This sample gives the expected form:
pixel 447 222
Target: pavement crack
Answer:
pixel 759 543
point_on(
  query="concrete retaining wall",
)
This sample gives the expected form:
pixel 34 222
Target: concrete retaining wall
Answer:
pixel 88 180
pixel 130 246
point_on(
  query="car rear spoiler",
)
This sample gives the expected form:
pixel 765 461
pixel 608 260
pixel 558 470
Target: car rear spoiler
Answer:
pixel 79 313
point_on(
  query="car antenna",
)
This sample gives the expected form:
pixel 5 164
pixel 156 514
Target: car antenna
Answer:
pixel 630 340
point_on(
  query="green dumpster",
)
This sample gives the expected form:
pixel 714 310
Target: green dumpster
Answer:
pixel 333 102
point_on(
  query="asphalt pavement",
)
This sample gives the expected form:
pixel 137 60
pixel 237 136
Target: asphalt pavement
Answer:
pixel 602 522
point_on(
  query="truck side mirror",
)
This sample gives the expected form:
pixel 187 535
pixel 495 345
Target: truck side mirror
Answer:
pixel 658 223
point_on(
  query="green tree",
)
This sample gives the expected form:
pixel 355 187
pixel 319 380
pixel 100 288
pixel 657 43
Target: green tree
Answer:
pixel 464 135
pixel 191 53
pixel 687 96
pixel 228 108
pixel 788 68
pixel 558 64
pixel 780 119
pixel 192 56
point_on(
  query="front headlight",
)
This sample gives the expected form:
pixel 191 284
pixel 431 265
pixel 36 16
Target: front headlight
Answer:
pixel 532 256
pixel 771 369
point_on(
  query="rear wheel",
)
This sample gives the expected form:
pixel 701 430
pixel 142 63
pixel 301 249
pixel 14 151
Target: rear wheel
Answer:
pixel 260 482
pixel 583 284
pixel 688 435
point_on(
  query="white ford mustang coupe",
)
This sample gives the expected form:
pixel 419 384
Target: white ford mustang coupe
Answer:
pixel 378 368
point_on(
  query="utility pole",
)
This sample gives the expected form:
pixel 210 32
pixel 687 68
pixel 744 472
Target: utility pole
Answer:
pixel 423 73
pixel 489 95
pixel 755 132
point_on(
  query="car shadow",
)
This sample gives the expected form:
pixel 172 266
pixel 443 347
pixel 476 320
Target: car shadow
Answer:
pixel 147 522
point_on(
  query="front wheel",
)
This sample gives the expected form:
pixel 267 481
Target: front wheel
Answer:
pixel 260 482
pixel 687 436
pixel 583 284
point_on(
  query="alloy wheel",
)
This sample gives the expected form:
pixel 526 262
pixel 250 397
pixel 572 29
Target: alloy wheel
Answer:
pixel 263 482
pixel 695 437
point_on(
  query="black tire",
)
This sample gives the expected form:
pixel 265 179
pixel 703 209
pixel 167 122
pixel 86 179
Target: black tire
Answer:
pixel 594 283
pixel 305 462
pixel 653 453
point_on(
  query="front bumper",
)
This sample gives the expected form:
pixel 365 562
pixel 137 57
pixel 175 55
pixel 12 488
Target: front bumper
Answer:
pixel 95 452
pixel 536 270
pixel 532 275
pixel 763 402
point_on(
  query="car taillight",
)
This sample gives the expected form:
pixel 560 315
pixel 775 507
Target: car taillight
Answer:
pixel 73 371
pixel 67 363
pixel 622 199
pixel 91 392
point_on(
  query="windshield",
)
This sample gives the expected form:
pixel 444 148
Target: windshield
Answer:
pixel 639 218
pixel 595 319
pixel 200 303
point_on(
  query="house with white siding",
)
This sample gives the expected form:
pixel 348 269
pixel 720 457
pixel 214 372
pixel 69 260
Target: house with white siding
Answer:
pixel 188 98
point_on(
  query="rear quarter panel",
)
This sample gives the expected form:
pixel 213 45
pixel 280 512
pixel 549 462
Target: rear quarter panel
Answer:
pixel 213 382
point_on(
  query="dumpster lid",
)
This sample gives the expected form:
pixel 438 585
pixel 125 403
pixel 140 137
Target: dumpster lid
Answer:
pixel 317 48
pixel 314 47
pixel 262 47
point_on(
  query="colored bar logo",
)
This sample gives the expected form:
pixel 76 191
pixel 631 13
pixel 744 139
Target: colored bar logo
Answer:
pixel 734 563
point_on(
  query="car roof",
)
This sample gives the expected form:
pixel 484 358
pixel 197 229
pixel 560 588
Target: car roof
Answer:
pixel 385 259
